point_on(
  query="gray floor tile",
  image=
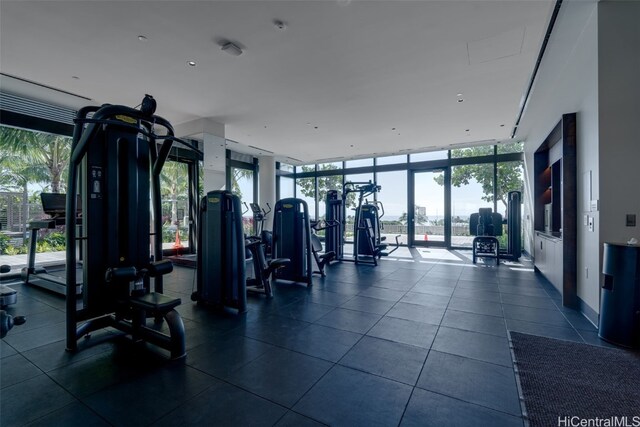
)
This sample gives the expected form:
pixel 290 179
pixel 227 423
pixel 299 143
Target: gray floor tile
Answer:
pixel 417 313
pixel 537 315
pixel 224 405
pixel 382 293
pixel 368 305
pixel 472 381
pixel 149 397
pixel 280 375
pixel 404 331
pixel 475 322
pixel 291 419
pixel 477 294
pixel 73 415
pixel 474 306
pixel 349 320
pixel 322 342
pixel 392 360
pixel 31 399
pixel 431 409
pixel 379 402
pixel 544 330
pixel 428 300
pixel 16 369
pixel 475 345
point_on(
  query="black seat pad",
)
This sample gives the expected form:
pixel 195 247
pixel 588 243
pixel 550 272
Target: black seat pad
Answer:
pixel 156 302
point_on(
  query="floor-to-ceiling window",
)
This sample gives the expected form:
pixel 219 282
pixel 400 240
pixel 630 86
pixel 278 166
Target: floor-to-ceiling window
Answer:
pixel 394 202
pixel 31 163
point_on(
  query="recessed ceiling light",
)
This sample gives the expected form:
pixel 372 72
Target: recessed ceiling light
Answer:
pixel 501 126
pixel 351 145
pixel 191 63
pixel 142 38
pixel 467 130
pixel 75 77
pixel 393 128
pixel 280 25
pixel 460 100
pixel 315 127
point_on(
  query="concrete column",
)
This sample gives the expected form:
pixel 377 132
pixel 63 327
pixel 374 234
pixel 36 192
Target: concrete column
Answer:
pixel 214 146
pixel 267 185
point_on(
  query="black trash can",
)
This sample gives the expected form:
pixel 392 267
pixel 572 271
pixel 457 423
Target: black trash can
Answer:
pixel 620 299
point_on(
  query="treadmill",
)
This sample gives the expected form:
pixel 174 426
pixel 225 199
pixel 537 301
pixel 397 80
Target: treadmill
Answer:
pixel 52 279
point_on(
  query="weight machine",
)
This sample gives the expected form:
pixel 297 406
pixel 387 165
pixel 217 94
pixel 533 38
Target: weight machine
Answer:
pixel 115 166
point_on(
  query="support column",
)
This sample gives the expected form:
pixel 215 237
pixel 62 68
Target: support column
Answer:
pixel 267 185
pixel 214 147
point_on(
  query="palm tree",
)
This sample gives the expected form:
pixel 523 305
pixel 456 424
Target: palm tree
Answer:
pixel 45 157
pixel 174 185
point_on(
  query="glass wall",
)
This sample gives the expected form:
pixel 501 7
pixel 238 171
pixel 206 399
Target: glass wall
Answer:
pixel 352 202
pixel 242 185
pixel 305 190
pixel 473 185
pixel 287 187
pixel 358 163
pixel 25 173
pixel 394 200
pixel 510 177
pixel 391 160
pixel 483 150
pixel 431 155
pixel 174 188
pixel 471 189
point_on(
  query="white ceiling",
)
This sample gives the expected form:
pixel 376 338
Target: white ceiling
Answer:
pixel 353 69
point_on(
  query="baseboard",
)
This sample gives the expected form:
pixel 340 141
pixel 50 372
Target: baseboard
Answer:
pixel 588 312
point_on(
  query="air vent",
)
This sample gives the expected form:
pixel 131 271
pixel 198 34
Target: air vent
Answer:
pixel 32 108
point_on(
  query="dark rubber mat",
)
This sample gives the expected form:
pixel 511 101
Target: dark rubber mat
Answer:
pixel 560 380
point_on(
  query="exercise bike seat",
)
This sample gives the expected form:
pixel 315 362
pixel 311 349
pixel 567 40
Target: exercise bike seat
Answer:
pixel 157 302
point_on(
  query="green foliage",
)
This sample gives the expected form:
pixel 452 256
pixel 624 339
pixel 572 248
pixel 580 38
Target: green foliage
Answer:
pixel 4 243
pixel 15 250
pixel 33 157
pixel 56 240
pixel 325 183
pixel 509 174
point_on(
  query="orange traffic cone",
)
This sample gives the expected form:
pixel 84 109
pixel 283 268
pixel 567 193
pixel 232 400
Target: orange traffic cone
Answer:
pixel 426 237
pixel 177 244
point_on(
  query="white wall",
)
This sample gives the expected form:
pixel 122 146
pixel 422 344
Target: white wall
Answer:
pixel 567 82
pixel 619 100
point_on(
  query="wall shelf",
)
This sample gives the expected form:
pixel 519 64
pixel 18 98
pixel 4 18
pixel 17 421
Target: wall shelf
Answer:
pixel 555 188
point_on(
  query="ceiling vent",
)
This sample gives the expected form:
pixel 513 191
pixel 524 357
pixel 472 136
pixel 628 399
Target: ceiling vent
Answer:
pixel 32 108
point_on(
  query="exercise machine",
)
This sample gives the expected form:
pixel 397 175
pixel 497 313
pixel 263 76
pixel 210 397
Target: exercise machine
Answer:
pixel 54 280
pixel 292 240
pixel 334 236
pixel 322 258
pixel 513 221
pixel 8 295
pixel 485 225
pixel 368 242
pixel 263 268
pixel 115 165
pixel 221 280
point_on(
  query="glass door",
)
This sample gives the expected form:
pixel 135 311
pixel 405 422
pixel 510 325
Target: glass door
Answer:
pixel 428 219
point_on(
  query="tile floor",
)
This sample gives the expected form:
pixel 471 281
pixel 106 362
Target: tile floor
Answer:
pixel 417 340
